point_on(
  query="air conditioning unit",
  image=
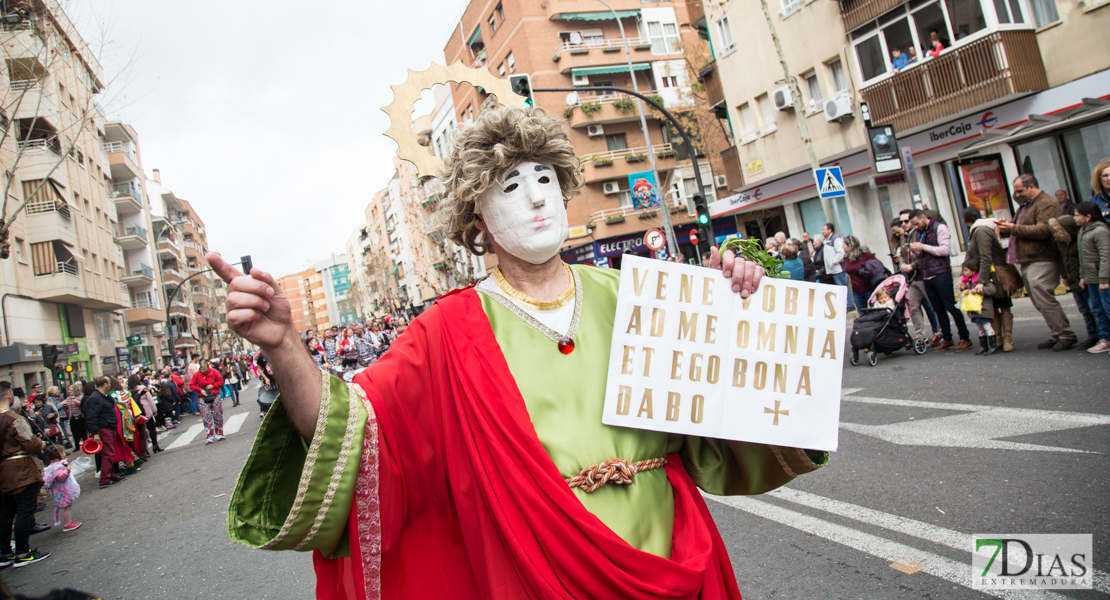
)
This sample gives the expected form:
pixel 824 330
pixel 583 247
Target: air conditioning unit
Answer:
pixel 720 181
pixel 611 187
pixel 595 130
pixel 838 107
pixel 782 98
pixel 581 80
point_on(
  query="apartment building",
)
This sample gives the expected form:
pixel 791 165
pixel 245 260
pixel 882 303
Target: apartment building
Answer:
pixel 577 43
pixel 62 280
pixel 335 282
pixel 168 217
pixel 294 289
pixel 1008 94
pixel 145 318
pixel 202 287
pixel 373 287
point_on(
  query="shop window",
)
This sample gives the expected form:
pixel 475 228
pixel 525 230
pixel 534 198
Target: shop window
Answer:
pixel 1042 159
pixel 813 216
pixel 1085 148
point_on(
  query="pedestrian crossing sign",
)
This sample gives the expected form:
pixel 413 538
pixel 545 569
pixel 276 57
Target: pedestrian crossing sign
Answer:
pixel 830 182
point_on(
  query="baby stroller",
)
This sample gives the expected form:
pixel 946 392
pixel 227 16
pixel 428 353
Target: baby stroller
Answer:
pixel 884 330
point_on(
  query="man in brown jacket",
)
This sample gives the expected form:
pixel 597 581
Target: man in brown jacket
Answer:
pixel 1033 247
pixel 20 479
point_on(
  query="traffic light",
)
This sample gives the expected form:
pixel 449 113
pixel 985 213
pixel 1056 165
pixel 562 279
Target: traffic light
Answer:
pixel 522 85
pixel 60 372
pixel 247 264
pixel 701 210
pixel 49 355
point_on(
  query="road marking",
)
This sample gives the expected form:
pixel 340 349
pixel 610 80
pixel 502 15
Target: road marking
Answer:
pixel 189 435
pixel 934 564
pixel 911 527
pixel 234 422
pixel 980 427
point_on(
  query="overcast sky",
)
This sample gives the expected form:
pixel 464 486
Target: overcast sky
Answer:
pixel 265 116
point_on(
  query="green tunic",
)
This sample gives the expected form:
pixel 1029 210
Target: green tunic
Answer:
pixel 564 395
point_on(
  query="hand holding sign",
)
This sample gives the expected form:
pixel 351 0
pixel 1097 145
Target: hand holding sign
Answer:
pixel 691 357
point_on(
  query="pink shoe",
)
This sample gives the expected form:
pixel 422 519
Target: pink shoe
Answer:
pixel 72 525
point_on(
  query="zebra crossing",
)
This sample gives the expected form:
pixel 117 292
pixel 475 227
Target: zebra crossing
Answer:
pixel 232 424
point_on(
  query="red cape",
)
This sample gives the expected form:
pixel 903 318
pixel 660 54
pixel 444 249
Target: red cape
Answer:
pixel 470 504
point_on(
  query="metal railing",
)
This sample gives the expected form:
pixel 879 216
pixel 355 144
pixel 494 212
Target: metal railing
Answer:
pixel 997 65
pixel 20 85
pixel 626 152
pixel 141 269
pixel 135 230
pixel 124 189
pixel 189 244
pixel 49 144
pixel 625 211
pixel 124 147
pixel 588 44
pixel 144 302
pixel 123 288
pixel 49 206
pixel 69 267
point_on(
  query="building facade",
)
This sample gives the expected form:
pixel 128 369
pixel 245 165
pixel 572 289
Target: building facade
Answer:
pixel 1003 96
pixel 335 283
pixel 168 218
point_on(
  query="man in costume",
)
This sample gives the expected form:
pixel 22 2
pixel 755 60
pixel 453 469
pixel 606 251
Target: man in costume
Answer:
pixel 477 441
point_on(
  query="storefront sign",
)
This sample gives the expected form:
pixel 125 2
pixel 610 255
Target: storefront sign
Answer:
pixel 576 255
pixel 732 203
pixel 135 340
pixel 642 186
pixel 578 231
pixel 884 147
pixel 984 185
pixel 754 167
pixel 689 356
pixel 885 180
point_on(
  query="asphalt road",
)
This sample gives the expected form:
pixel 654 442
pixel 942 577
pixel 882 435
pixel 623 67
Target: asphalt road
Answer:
pixel 932 449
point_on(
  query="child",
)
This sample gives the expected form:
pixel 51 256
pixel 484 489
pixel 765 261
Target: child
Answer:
pixel 1094 268
pixel 984 317
pixel 64 486
pixel 883 300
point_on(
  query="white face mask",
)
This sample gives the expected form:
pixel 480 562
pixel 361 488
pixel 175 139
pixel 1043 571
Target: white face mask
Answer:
pixel 525 214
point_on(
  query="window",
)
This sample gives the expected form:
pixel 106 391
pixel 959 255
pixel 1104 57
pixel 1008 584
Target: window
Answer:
pixel 836 75
pixel 1044 12
pixel 813 89
pixel 790 7
pixel 511 63
pixel 872 63
pixel 724 36
pixel 664 37
pixel 492 23
pixel 670 81
pixel 19 251
pixel 626 198
pixel 747 120
pixel 1008 11
pixel 616 141
pixel 501 70
pixel 500 10
pixel 966 17
pixel 768 110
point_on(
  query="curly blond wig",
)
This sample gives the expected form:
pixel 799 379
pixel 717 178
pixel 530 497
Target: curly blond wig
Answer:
pixel 485 151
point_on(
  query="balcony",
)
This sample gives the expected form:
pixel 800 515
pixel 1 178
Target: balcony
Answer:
pixel 140 275
pixel 602 53
pixel 167 249
pixel 617 215
pixel 714 93
pixel 33 103
pixel 48 221
pixel 133 238
pixel 127 198
pixel 607 108
pixel 64 284
pixel 144 315
pixel 734 172
pixel 989 69
pixel 171 276
pixel 857 12
pixel 618 164
pixel 695 11
pixel 123 160
pixel 569 9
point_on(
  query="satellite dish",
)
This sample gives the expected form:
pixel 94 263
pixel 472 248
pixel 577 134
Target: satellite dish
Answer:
pixel 572 99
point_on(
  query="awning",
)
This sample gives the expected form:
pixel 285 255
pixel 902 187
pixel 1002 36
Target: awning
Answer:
pixel 606 70
pixel 393 271
pixel 1092 109
pixel 477 33
pixel 600 15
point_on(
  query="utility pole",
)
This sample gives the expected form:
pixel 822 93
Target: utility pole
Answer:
pixel 799 115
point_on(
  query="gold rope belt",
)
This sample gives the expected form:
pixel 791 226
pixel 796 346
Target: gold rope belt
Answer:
pixel 614 470
pixel 15 456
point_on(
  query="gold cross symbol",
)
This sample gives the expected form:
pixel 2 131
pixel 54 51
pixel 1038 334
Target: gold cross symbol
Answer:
pixel 776 412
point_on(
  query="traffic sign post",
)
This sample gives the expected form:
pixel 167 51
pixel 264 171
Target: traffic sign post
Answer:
pixel 655 240
pixel 830 183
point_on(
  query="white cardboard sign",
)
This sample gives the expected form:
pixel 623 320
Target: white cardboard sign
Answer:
pixel 690 356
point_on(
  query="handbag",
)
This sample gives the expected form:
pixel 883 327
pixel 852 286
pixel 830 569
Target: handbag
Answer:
pixel 209 399
pixel 1008 279
pixel 972 303
pixel 52 430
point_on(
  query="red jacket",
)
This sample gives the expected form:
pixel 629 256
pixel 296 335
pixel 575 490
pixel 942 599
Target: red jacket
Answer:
pixel 204 378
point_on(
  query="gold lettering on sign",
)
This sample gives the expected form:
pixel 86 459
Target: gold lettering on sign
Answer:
pixel 638 281
pixel 634 321
pixel 829 297
pixel 673 400
pixel 688 326
pixel 830 346
pixel 626 364
pixel 686 289
pixel 809 343
pixel 776 412
pixel 791 303
pixel 791 341
pixel 766 336
pixel 647 360
pixel 624 399
pixel 760 378
pixel 707 291
pixel 768 299
pixel 695 368
pixel 658 315
pixel 803 382
pixel 713 369
pixel 661 286
pixel 645 406
pixel 696 408
pixel 739 372
pixel 710 329
pixel 742 334
pixel 812 301
pixel 676 366
pixel 746 302
pixel 780 378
